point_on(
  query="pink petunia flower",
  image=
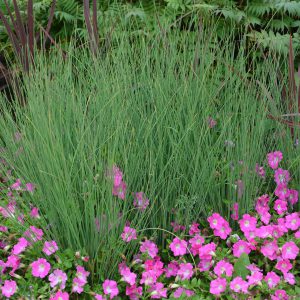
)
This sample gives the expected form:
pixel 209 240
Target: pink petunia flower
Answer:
pixel 50 247
pixel 205 265
pixel 110 288
pixel 185 271
pixel 194 229
pixel 149 277
pixel 269 249
pixel 9 288
pixel 196 242
pixel 178 247
pixel 207 251
pixel 120 190
pixel 134 292
pixel 183 292
pixel 247 223
pixel 58 277
pixel 30 187
pixel 223 267
pixel 289 278
pixel 260 171
pixel 241 247
pixel 282 191
pixel 40 268
pixel 239 285
pixel 280 206
pixel 280 295
pixel 77 286
pixel 149 247
pixel 140 201
pixel 255 278
pixel 282 176
pixel 218 286
pixel 82 274
pixel 60 296
pixel 289 250
pixel 128 234
pixel 171 269
pixel 274 158
pixel 293 197
pixel 272 279
pixel 20 246
pixel 284 266
pixel 158 291
pixel 17 185
pixel 128 276
pixel 292 221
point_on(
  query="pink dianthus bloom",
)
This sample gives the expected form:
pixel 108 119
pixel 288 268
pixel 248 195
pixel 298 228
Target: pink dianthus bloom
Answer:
pixel 289 250
pixel 223 267
pixel 60 296
pixel 185 271
pixel 274 158
pixel 239 285
pixel 9 288
pixel 110 288
pixel 128 234
pixel 50 247
pixel 149 247
pixel 40 268
pixel 58 277
pixel 272 279
pixel 178 247
pixel 241 247
pixel 218 286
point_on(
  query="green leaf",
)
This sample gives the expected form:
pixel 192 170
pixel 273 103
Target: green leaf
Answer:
pixel 240 266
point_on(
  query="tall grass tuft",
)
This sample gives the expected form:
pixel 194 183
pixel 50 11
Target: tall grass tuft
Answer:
pixel 144 106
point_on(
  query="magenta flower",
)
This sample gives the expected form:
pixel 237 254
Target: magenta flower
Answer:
pixel 40 268
pixel 35 213
pixel 185 271
pixel 280 295
pixel 17 185
pixel 196 242
pixel 194 229
pixel 247 223
pixel 280 206
pixel 117 176
pixel 284 266
pixel 178 247
pixel 262 204
pixel 149 247
pixel 20 246
pixel 34 234
pixel 128 276
pixel 205 265
pixel 110 288
pixel 77 286
pixel 289 278
pixel 183 292
pixel 13 262
pixel 292 221
pixel 289 250
pixel 140 201
pixel 241 247
pixel 50 247
pixel 215 221
pixel 171 269
pixel 9 288
pixel 58 277
pixel 218 286
pixel 260 171
pixel 134 292
pixel 239 285
pixel 272 279
pixel 207 251
pixel 297 235
pixel 282 176
pixel 223 267
pixel 158 291
pixel 282 191
pixel 128 234
pixel 255 278
pixel 269 249
pixel 155 265
pixel 30 187
pixel 274 158
pixel 149 277
pixel 82 274
pixel 60 296
pixel 120 190
pixel 293 197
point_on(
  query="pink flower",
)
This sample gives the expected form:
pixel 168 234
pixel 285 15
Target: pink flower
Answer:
pixel 260 171
pixel 9 288
pixel 269 249
pixel 289 250
pixel 178 247
pixel 134 292
pixel 282 176
pixel 34 212
pixel 3 229
pixel 110 288
pixel 272 279
pixel 128 234
pixel 60 296
pixel 158 291
pixel 282 191
pixel 280 295
pixel 292 221
pixel 223 267
pixel 155 265
pixel 20 246
pixel 185 271
pixel 280 206
pixel 215 221
pixel 289 278
pixel 274 158
pixel 247 223
pixel 13 262
pixel 196 243
pixel 223 231
pixel 239 285
pixel 140 201
pixel 30 187
pixel 255 277
pixel 293 197
pixel 297 235
pixel 211 122
pixel 207 251
pixel 149 277
pixel 218 286
pixel 120 190
pixel 58 277
pixel 40 268
pixel 82 274
pixel 241 247
pixel 17 185
pixel 128 276
pixel 205 264
pixel 150 248
pixel 171 269
pixel 183 292
pixel 77 286
pixel 50 247
pixel 34 234
pixel 117 176
pixel 235 209
pixel 194 229
pixel 284 266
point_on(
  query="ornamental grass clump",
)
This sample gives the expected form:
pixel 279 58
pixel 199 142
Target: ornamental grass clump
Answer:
pixel 207 260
